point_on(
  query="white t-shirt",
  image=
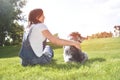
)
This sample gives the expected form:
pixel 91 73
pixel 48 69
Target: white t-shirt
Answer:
pixel 36 38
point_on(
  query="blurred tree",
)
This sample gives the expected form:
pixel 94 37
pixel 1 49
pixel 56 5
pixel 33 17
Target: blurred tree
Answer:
pixel 10 14
pixel 101 35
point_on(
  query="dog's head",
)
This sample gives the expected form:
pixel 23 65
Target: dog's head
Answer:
pixel 75 36
pixel 71 53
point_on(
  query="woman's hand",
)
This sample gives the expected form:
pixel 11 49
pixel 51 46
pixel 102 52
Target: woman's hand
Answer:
pixel 77 45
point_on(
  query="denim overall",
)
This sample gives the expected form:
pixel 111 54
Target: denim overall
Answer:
pixel 28 56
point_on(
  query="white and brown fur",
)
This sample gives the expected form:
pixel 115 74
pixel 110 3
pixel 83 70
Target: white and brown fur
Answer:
pixel 71 53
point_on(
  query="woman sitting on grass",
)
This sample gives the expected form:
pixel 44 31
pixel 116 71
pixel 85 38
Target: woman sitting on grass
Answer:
pixel 34 49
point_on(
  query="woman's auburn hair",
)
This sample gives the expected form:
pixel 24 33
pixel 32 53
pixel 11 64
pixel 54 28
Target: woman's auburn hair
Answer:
pixel 33 15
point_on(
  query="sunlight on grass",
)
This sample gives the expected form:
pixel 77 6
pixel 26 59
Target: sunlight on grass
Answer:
pixel 103 63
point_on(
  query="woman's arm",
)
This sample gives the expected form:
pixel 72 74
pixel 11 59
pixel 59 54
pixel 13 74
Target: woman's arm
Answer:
pixel 59 41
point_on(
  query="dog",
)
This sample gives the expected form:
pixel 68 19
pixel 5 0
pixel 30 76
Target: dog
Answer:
pixel 71 53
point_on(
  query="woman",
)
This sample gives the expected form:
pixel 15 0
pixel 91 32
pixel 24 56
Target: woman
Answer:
pixel 34 49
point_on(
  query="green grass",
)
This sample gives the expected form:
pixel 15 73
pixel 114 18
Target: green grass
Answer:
pixel 103 63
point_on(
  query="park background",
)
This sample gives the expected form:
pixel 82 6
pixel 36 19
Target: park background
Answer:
pixel 84 16
pixel 93 18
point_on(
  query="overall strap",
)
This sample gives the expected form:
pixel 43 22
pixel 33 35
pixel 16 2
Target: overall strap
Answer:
pixel 27 52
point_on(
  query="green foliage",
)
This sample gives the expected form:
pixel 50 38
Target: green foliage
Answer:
pixel 10 14
pixel 103 63
pixel 16 33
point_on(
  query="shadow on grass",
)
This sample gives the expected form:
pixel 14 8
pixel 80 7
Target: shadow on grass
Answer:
pixel 9 51
pixel 62 65
pixel 68 66
pixel 94 60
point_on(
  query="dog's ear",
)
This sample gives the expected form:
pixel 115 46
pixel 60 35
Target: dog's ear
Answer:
pixel 75 36
pixel 79 40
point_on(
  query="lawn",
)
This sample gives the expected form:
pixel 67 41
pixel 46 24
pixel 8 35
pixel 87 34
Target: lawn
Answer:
pixel 103 63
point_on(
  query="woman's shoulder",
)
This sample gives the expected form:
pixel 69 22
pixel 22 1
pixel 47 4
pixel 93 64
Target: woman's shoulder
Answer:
pixel 40 26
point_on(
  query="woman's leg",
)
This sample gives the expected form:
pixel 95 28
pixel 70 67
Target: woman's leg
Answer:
pixel 48 51
pixel 45 58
